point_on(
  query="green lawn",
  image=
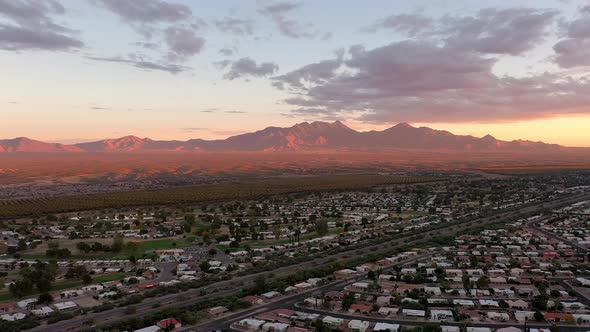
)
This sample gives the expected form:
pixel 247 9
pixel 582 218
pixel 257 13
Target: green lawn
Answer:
pixel 5 295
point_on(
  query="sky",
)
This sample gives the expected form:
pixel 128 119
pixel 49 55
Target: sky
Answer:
pixel 81 70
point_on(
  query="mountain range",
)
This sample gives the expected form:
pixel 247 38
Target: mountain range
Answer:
pixel 306 136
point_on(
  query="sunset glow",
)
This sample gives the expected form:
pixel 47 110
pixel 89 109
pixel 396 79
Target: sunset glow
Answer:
pixel 87 70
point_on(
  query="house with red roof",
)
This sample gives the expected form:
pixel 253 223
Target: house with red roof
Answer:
pixel 167 323
pixel 360 308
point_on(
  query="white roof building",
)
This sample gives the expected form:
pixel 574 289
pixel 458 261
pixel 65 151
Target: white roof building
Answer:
pixel 386 327
pixel 358 325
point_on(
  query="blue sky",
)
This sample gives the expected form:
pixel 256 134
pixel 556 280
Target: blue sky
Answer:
pixel 387 67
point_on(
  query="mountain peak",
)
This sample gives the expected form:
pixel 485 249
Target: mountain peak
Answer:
pixel 303 136
pixel 403 125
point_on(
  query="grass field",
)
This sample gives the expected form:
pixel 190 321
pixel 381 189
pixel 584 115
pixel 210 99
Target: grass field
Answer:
pixel 145 247
pixel 226 191
pixel 66 284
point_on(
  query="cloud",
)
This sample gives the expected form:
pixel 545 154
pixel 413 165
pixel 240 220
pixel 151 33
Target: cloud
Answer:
pixel 147 11
pixel 235 26
pixel 410 24
pixel 210 110
pixel 159 23
pixel 193 129
pixel 141 63
pixel 315 73
pixel 509 31
pixel 245 67
pixel 427 82
pixel 278 12
pixel 183 43
pixel 235 112
pixel 99 108
pixel 226 51
pixel 29 25
pixel 491 31
pixel 574 50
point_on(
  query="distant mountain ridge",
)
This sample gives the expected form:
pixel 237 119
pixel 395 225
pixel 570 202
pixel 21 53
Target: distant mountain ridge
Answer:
pixel 306 136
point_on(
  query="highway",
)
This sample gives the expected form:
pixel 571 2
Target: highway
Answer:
pixel 149 305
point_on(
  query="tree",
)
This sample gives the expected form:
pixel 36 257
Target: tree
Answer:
pixel 260 284
pixel 483 282
pixel 83 247
pixel 540 302
pixel 321 227
pixel 204 266
pixel 276 230
pixel 44 298
pixel 86 279
pixel 22 245
pixel 132 246
pixel 118 242
pixel 538 316
pixel 347 301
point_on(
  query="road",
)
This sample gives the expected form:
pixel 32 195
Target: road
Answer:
pixel 148 306
pixel 289 301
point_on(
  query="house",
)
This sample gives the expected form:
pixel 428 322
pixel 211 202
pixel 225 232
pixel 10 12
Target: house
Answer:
pixel 251 324
pixel 270 295
pixel 26 303
pixel 441 315
pixel 344 273
pixel 333 321
pixel 432 290
pixel 297 329
pixel 463 303
pixel 253 299
pixel 386 311
pixel 581 318
pixel 217 311
pixel 477 329
pixel 356 325
pixel 168 323
pixel 65 306
pixel 386 327
pixel 556 317
pixel 522 316
pixel 509 329
pixel 152 328
pixel 6 307
pixel 498 316
pixel 383 300
pixel 275 327
pixel 13 317
pixel 313 301
pixel 518 304
pixel 413 313
pixel 362 286
pixel 303 286
pixel 447 328
pixel 360 308
pixel 42 312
